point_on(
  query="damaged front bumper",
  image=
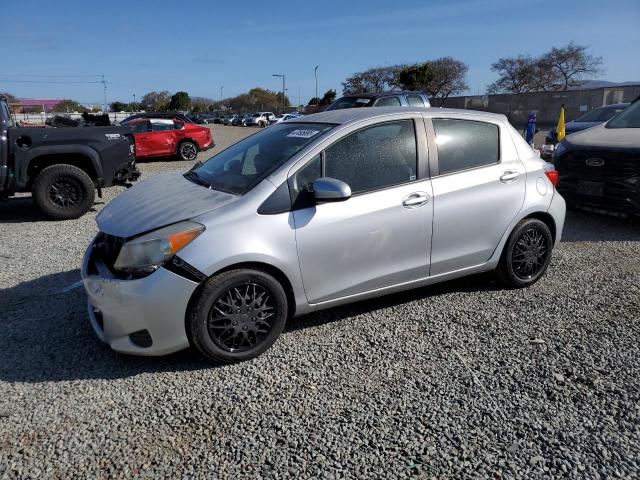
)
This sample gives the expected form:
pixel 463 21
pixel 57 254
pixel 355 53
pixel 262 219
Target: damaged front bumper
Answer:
pixel 143 316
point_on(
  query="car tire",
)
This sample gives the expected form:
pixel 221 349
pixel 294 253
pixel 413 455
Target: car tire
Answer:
pixel 187 151
pixel 526 255
pixel 63 191
pixel 237 315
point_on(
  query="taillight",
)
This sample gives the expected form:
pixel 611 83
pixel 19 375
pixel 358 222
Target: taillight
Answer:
pixel 552 175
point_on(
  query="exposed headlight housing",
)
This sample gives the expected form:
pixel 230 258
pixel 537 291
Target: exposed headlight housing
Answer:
pixel 152 250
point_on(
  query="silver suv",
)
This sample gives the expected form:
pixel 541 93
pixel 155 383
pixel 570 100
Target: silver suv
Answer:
pixel 337 207
pixel 260 119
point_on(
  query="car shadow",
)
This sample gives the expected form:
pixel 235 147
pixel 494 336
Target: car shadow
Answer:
pixel 23 210
pixel 586 226
pixel 46 336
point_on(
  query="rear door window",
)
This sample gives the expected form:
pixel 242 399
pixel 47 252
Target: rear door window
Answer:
pixel 464 144
pixel 388 102
pixel 415 100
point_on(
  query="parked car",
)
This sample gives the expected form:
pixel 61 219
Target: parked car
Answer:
pixel 228 119
pixel 600 167
pixel 259 119
pixel 383 99
pixel 282 117
pixel 63 167
pixel 169 115
pixel 597 116
pixel 157 137
pixel 339 207
pixel 238 120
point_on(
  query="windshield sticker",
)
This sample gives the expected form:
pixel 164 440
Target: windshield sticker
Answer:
pixel 363 100
pixel 303 133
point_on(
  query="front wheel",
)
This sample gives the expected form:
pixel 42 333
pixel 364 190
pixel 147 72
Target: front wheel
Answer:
pixel 526 255
pixel 63 191
pixel 238 315
pixel 187 151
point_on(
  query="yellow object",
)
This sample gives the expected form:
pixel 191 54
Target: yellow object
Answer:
pixel 560 127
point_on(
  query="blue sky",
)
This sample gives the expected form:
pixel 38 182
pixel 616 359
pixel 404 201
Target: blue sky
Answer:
pixel 199 46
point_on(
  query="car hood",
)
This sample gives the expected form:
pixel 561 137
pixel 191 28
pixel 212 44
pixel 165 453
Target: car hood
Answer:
pixel 161 200
pixel 602 137
pixel 572 127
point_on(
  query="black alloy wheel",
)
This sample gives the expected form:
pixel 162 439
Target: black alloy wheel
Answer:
pixel 237 315
pixel 188 151
pixel 63 191
pixel 242 317
pixel 526 255
pixel 529 253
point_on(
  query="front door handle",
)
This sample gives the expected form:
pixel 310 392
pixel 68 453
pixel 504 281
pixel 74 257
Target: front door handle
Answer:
pixel 415 200
pixel 509 176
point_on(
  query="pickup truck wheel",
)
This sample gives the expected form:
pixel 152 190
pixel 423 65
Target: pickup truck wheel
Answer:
pixel 187 151
pixel 63 192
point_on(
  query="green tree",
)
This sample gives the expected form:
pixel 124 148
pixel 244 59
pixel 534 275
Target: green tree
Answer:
pixel 155 101
pixel 68 106
pixel 180 101
pixel 377 79
pixel 314 101
pixel 118 107
pixel 10 98
pixel 439 78
pixel 328 98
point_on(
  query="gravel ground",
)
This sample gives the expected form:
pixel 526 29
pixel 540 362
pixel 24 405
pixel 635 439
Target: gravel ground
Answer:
pixel 459 380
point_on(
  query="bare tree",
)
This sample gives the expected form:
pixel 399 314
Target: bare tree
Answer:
pixel 521 74
pixel 557 69
pixel 571 64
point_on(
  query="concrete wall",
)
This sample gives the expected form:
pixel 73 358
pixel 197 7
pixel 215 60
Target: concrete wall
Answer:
pixel 545 104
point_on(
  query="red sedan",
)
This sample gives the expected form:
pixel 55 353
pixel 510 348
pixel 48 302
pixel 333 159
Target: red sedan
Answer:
pixel 157 137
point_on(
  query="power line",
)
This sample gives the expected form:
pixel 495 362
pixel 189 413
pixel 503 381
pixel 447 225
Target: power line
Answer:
pixel 48 82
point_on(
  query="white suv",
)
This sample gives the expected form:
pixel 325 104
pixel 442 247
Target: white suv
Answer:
pixel 261 119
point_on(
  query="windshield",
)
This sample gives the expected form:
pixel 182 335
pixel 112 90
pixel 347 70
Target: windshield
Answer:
pixel 599 114
pixel 242 166
pixel 350 102
pixel 629 118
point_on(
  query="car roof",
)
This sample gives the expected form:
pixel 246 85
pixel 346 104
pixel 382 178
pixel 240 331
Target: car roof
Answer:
pixel 616 105
pixel 352 115
pixel 382 94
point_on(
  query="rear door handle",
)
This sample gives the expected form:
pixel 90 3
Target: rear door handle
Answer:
pixel 415 200
pixel 509 176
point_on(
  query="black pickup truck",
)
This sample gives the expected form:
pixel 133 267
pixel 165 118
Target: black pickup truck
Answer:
pixel 63 167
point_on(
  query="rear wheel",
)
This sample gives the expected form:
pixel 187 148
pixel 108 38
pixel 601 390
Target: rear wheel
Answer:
pixel 238 315
pixel 526 255
pixel 63 191
pixel 187 151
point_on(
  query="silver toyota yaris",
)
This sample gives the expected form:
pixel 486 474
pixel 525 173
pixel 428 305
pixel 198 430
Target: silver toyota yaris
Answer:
pixel 315 212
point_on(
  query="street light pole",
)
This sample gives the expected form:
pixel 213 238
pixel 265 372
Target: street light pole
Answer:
pixel 315 74
pixel 134 102
pixel 281 75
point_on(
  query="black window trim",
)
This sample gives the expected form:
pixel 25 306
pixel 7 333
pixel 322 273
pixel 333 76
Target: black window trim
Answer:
pixel 433 147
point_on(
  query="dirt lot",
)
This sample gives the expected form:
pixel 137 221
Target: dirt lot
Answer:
pixel 459 380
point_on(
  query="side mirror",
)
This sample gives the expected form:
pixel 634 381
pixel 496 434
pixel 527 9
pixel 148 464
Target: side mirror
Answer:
pixel 178 125
pixel 327 189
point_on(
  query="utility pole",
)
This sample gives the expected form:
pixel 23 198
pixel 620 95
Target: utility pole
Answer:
pixel 283 90
pixel 104 84
pixel 221 87
pixel 134 102
pixel 315 74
